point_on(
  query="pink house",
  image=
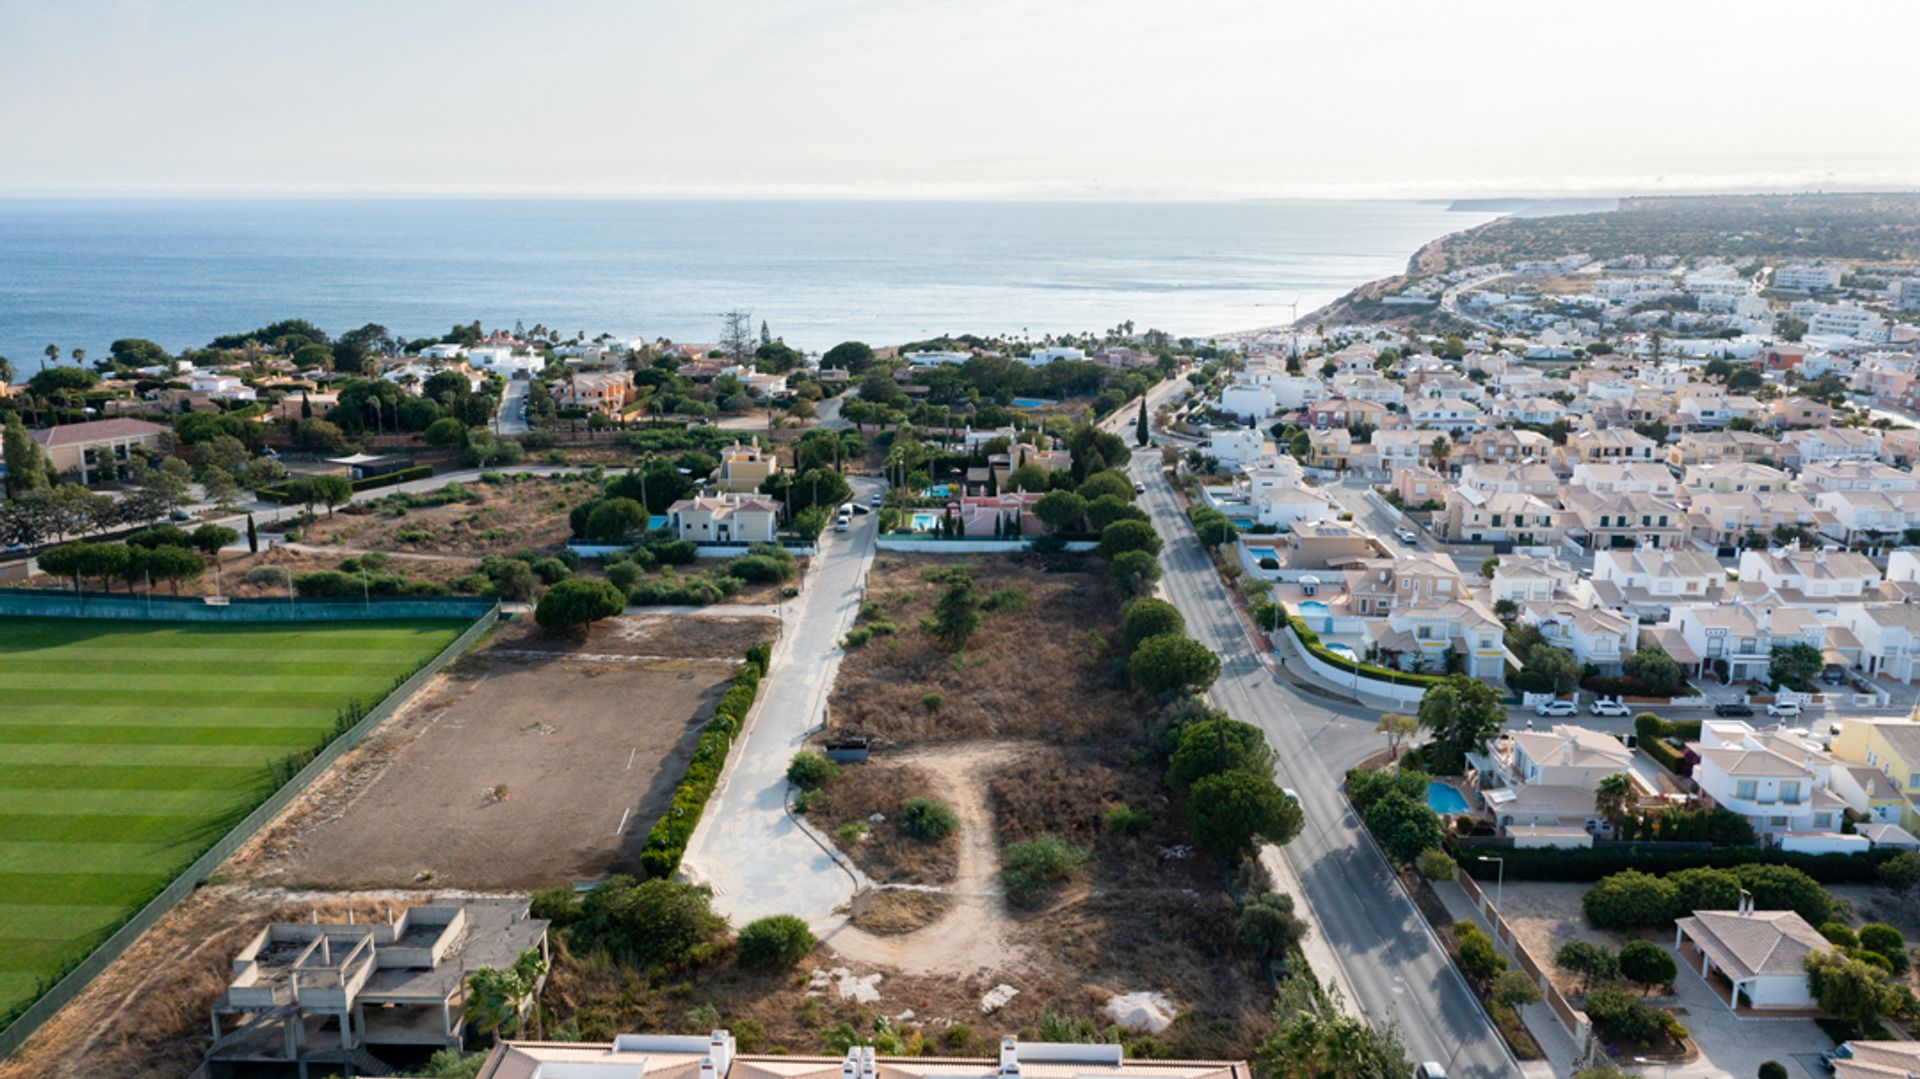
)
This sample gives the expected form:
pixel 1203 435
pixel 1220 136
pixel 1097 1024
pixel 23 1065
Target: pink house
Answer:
pixel 980 514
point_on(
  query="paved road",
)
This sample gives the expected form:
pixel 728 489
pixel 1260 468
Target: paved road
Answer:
pixel 511 422
pixel 757 859
pixel 1395 966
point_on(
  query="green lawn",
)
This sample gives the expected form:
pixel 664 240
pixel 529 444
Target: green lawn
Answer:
pixel 128 748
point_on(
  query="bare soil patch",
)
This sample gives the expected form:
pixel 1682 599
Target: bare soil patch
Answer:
pixel 1546 915
pixel 650 635
pixel 517 769
pixel 884 852
pixel 528 511
pixel 902 910
pixel 1040 667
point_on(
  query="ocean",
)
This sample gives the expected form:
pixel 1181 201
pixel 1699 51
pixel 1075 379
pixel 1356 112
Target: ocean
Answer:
pixel 80 273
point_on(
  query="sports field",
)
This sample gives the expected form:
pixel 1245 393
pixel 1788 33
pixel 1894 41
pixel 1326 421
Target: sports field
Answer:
pixel 128 748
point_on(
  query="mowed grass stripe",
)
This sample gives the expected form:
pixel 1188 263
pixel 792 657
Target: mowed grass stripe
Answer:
pixel 148 828
pixel 57 777
pixel 20 921
pixel 127 748
pixel 38 803
pixel 145 754
pixel 185 733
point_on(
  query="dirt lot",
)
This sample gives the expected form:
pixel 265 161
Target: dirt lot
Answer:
pixel 1040 667
pixel 1031 730
pixel 1546 915
pixel 494 518
pixel 527 765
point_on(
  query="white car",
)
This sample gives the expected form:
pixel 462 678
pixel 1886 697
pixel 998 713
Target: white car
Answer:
pixel 1784 708
pixel 1290 795
pixel 1609 708
pixel 1555 708
pixel 1406 535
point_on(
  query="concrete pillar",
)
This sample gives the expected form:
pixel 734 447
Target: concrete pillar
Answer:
pixel 346 1029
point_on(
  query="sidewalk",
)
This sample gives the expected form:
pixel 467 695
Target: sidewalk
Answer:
pixel 1321 957
pixel 1544 1025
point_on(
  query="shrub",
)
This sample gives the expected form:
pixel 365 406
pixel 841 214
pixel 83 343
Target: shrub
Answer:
pixel 1630 900
pixel 1037 866
pixel 1512 988
pixel 927 820
pixel 760 569
pixel 668 838
pixel 557 905
pixel 1591 961
pixel 657 925
pixel 1704 889
pixel 1478 957
pixel 1839 935
pixel 811 771
pixel 1434 864
pixel 1125 820
pixel 1772 1069
pixel 577 602
pixel 277 577
pixel 778 940
pixel 1900 871
pixel 550 570
pixel 1884 940
pixel 1646 964
pixel 1782 887
pixel 1267 927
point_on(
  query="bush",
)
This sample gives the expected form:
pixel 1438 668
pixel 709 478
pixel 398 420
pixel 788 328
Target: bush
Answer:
pixel 1631 900
pixel 1773 1069
pixel 1782 887
pixel 578 602
pixel 779 940
pixel 1037 866
pixel 1589 865
pixel 1478 957
pixel 811 771
pixel 277 577
pixel 1704 888
pixel 667 840
pixel 551 571
pixel 1900 871
pixel 1646 964
pixel 1434 864
pixel 1124 820
pixel 927 820
pixel 1591 961
pixel 1839 935
pixel 1267 927
pixel 656 925
pixel 1886 941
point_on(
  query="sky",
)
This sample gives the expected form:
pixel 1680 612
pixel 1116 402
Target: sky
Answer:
pixel 955 98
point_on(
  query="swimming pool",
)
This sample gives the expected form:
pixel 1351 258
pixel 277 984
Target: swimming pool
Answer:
pixel 1444 799
pixel 925 521
pixel 938 490
pixel 1031 402
pixel 1344 652
pixel 1313 607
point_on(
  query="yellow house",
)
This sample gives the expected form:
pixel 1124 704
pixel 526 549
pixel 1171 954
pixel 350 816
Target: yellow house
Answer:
pixel 1892 748
pixel 744 467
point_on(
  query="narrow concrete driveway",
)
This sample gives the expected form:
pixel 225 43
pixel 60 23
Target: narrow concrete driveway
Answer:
pixel 1388 955
pixel 757 860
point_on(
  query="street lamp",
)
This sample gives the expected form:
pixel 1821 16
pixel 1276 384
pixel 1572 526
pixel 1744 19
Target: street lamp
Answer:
pixel 1499 883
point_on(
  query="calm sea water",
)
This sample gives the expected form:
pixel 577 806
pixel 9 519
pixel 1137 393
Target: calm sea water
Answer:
pixel 80 273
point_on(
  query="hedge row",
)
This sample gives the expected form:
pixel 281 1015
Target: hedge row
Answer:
pixel 1591 864
pixel 1673 760
pixel 1311 642
pixel 278 493
pixel 667 840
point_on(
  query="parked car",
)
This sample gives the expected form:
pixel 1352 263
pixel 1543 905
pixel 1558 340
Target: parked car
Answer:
pixel 1732 708
pixel 840 524
pixel 1833 676
pixel 1555 708
pixel 1406 535
pixel 858 508
pixel 1843 1051
pixel 1604 707
pixel 1290 795
pixel 1139 488
pixel 1790 709
pixel 1430 1070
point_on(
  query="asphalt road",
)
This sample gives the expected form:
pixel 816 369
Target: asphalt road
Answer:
pixel 1397 969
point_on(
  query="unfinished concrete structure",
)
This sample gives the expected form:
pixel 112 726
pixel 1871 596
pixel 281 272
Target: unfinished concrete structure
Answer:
pixel 325 994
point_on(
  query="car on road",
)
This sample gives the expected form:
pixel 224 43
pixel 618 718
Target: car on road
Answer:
pixel 858 508
pixel 1406 535
pixel 841 524
pixel 1604 707
pixel 877 500
pixel 1290 795
pixel 1788 709
pixel 1555 708
pixel 1430 1070
pixel 1732 708
pixel 179 515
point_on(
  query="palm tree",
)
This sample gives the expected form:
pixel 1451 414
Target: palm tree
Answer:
pixel 495 996
pixel 52 353
pixel 1610 796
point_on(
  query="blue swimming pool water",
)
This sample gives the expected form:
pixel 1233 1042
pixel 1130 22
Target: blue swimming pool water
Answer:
pixel 1312 607
pixel 1031 402
pixel 1444 799
pixel 1344 652
pixel 938 490
pixel 925 522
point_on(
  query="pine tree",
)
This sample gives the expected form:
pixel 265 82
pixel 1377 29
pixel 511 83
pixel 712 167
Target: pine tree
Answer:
pixel 765 337
pixel 306 406
pixel 1140 435
pixel 253 537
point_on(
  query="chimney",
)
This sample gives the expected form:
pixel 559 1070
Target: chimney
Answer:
pixel 867 1068
pixel 1009 1056
pixel 707 1069
pixel 720 1051
pixel 850 1067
